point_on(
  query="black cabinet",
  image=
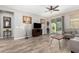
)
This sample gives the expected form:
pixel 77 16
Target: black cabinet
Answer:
pixel 36 32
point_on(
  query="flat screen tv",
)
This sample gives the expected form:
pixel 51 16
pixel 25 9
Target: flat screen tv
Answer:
pixel 37 25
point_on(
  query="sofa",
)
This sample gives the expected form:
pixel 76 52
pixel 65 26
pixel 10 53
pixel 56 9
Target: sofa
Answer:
pixel 73 45
pixel 73 39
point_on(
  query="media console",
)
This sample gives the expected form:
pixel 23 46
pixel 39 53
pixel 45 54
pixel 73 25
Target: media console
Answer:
pixel 36 32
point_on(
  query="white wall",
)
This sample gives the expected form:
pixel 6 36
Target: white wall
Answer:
pixel 67 21
pixel 20 28
pixel 0 24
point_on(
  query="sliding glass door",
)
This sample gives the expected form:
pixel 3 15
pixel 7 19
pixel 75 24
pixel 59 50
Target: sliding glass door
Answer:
pixel 57 25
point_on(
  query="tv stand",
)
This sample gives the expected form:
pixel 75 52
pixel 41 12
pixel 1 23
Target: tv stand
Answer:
pixel 36 32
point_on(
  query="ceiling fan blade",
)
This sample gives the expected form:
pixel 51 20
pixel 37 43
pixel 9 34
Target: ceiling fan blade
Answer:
pixel 52 8
pixel 56 7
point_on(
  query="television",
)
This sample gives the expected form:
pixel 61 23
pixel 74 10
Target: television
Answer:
pixel 37 25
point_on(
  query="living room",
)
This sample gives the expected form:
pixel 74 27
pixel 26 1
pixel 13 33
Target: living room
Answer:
pixel 19 26
pixel 28 23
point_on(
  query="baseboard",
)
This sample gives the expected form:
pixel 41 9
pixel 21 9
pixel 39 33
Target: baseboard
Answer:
pixel 44 34
pixel 72 52
pixel 19 38
pixel 1 37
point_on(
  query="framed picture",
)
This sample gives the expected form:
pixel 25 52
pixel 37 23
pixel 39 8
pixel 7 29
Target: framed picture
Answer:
pixel 27 19
pixel 6 22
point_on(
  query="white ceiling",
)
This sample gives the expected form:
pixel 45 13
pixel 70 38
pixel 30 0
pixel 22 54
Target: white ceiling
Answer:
pixel 41 9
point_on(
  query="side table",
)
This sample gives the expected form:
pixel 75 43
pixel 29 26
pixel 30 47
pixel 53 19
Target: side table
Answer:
pixel 7 34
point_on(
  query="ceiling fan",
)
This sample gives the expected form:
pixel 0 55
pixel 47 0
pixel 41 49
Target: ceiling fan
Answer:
pixel 53 8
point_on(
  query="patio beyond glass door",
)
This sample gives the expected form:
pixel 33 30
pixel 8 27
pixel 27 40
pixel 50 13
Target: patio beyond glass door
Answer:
pixel 57 25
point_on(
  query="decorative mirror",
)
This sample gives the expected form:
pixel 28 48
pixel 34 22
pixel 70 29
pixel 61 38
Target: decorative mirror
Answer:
pixel 7 22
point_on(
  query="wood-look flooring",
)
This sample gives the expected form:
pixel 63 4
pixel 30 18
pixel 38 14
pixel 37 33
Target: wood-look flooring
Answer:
pixel 41 44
